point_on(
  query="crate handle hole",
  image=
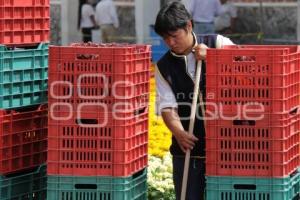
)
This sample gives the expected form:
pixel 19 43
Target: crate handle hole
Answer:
pixel 140 111
pixel 26 109
pixel 244 187
pixel 297 197
pixel 87 56
pixel 244 58
pixel 293 111
pixel 138 174
pixel 294 173
pixel 244 122
pixel 86 186
pixel 86 121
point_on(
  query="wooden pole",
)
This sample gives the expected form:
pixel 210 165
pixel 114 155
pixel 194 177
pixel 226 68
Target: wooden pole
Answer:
pixel 191 129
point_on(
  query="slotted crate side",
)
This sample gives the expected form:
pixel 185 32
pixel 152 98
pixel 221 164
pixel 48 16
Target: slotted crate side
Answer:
pixel 23 139
pixel 95 91
pixel 116 128
pixel 91 114
pixel 256 149
pixel 23 76
pixel 93 143
pixel 98 152
pixel 21 100
pixel 259 164
pixel 276 126
pixel 115 59
pixel 82 188
pixel 30 185
pixel 64 106
pixel 24 23
pixel 229 99
pixel 23 3
pixel 22 59
pixel 227 188
pixel 105 168
pixel 254 74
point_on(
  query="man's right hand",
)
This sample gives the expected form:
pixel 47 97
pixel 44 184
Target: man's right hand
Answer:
pixel 200 51
pixel 185 141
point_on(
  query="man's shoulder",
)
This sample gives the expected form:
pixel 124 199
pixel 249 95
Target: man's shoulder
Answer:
pixel 208 39
pixel 163 62
pixel 164 59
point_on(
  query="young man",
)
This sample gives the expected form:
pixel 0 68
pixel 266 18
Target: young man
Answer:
pixel 87 20
pixel 107 19
pixel 203 14
pixel 175 76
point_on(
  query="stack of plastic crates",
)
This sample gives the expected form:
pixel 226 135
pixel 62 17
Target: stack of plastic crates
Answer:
pixel 24 38
pixel 98 122
pixel 253 127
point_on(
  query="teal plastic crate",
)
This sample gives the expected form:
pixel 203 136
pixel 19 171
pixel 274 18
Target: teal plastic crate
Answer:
pixel 27 186
pixel 240 188
pixel 23 76
pixel 105 188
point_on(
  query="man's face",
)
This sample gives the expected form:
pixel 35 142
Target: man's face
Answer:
pixel 180 40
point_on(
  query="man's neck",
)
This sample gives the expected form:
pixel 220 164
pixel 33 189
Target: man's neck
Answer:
pixel 191 44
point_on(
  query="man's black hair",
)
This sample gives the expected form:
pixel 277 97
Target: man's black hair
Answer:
pixel 171 17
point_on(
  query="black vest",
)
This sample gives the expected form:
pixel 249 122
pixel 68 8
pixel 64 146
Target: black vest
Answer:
pixel 174 70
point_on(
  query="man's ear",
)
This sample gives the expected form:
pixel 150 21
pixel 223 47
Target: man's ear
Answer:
pixel 189 25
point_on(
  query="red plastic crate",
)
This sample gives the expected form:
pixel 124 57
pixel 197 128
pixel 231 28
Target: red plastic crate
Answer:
pixel 106 59
pixel 99 92
pixel 23 139
pixel 24 22
pixel 107 74
pixel 91 150
pixel 243 75
pixel 253 148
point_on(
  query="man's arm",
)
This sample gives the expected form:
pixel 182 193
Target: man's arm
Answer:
pixel 166 106
pixel 186 141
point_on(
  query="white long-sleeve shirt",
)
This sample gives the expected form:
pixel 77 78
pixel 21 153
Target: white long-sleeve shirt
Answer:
pixel 204 11
pixel 106 13
pixel 86 12
pixel 165 97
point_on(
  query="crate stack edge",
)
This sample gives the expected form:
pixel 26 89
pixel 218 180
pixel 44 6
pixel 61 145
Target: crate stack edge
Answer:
pixel 253 149
pixel 24 40
pixel 98 122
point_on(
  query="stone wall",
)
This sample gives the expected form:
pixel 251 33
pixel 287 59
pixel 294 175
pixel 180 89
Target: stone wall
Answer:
pixel 126 31
pixel 55 24
pixel 279 24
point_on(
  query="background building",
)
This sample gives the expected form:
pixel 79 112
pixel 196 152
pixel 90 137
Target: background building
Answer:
pixel 267 21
